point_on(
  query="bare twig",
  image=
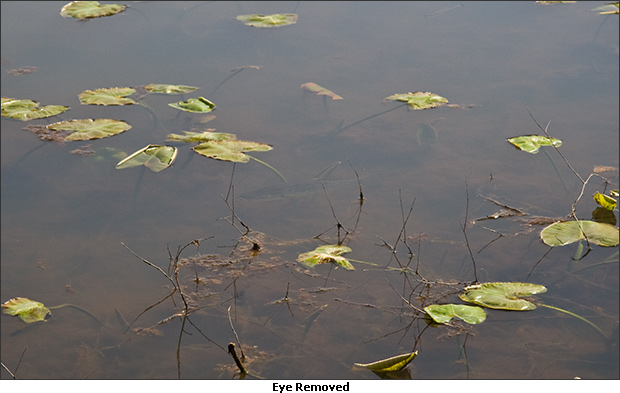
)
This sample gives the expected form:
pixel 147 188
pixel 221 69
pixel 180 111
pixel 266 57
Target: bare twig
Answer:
pixel 407 301
pixel 473 260
pixel 233 353
pixel 402 235
pixel 236 336
pixel 556 148
pixel 16 367
pixel 147 309
pixel 151 264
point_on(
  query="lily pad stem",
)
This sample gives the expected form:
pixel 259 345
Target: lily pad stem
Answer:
pixel 152 113
pixel 374 264
pixel 270 167
pixel 79 309
pixel 557 171
pixel 578 317
pixel 339 130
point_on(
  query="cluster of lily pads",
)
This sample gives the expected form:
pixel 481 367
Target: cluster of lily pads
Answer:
pixel 155 157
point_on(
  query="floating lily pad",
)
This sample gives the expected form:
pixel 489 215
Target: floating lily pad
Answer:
pixel 274 20
pixel 154 157
pixel 555 2
pixel 90 9
pixel 605 201
pixel 320 90
pixel 205 136
pixel 28 109
pixel 567 232
pixel 108 96
pixel 197 105
pixel 502 295
pixel 87 129
pixel 326 254
pixel 27 310
pixel 230 150
pixel 443 313
pixel 169 89
pixel 395 363
pixel 419 100
pixel 608 9
pixel 531 143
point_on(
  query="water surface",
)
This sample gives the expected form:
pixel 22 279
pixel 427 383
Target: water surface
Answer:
pixel 64 216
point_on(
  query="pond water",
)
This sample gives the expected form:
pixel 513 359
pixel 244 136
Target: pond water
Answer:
pixel 424 174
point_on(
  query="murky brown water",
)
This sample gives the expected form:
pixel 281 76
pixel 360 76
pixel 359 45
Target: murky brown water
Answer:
pixel 64 216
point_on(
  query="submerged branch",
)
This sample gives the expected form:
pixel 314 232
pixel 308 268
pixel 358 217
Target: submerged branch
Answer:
pixel 151 264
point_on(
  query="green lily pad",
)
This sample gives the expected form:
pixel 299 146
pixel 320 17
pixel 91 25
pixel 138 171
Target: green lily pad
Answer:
pixel 326 254
pixel 274 20
pixel 605 201
pixel 230 150
pixel 395 363
pixel 197 105
pixel 443 313
pixel 567 232
pixel 419 100
pixel 28 109
pixel 87 129
pixel 320 90
pixel 502 295
pixel 205 136
pixel 154 157
pixel 90 9
pixel 531 143
pixel 27 310
pixel 108 96
pixel 169 89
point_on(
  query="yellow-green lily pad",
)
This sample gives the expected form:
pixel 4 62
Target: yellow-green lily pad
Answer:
pixel 326 254
pixel 154 157
pixel 443 313
pixel 531 143
pixel 27 310
pixel 419 100
pixel 230 150
pixel 608 9
pixel 567 232
pixel 273 20
pixel 28 109
pixel 205 136
pixel 196 105
pixel 169 89
pixel 108 96
pixel 605 201
pixel 88 129
pixel 502 295
pixel 395 363
pixel 90 9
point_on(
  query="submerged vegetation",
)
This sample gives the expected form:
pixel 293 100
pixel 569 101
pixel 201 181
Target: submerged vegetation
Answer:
pixel 203 291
